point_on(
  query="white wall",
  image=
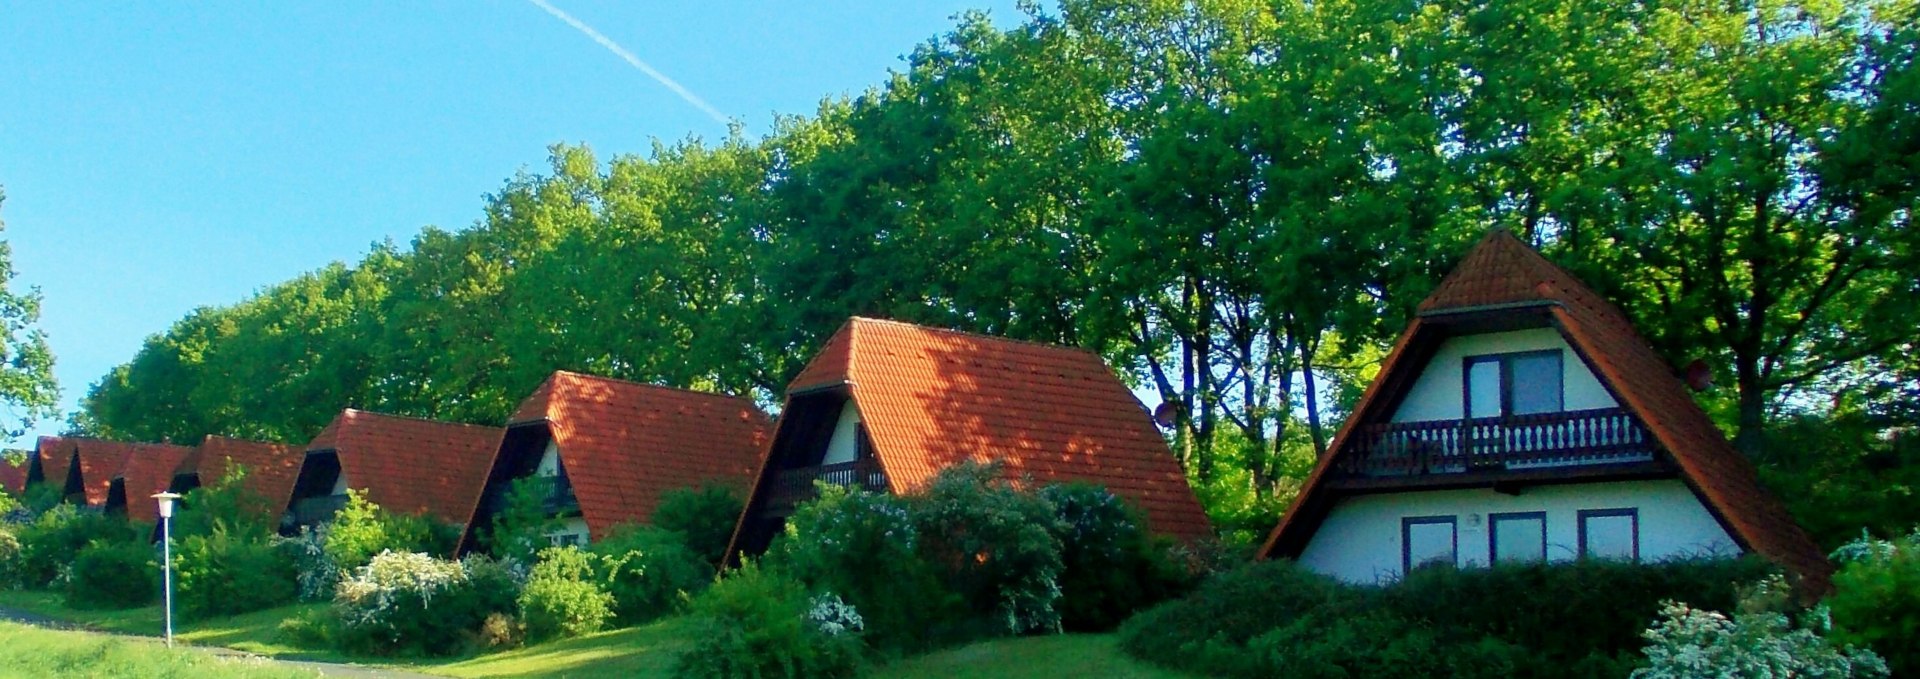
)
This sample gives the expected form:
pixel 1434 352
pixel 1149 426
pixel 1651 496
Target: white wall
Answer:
pixel 549 461
pixel 340 482
pixel 1435 395
pixel 844 446
pixel 575 527
pixel 1360 539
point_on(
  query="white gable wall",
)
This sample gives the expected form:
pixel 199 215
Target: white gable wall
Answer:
pixel 340 482
pixel 1360 539
pixel 843 447
pixel 1435 395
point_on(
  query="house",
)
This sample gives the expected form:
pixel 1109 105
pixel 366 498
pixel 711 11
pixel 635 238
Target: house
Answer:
pixel 608 449
pixel 1521 417
pixel 52 462
pixel 95 463
pixel 403 464
pixel 271 469
pixel 148 470
pixel 887 405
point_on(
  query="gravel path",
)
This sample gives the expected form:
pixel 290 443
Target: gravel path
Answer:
pixel 324 668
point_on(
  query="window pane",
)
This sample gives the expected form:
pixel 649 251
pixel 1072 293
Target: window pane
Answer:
pixel 1536 383
pixel 1483 389
pixel 1609 537
pixel 1429 543
pixel 1521 539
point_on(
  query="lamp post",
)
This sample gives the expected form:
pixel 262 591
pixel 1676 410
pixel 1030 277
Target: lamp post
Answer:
pixel 166 555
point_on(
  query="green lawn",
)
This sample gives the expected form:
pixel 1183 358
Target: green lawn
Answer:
pixel 643 652
pixel 30 653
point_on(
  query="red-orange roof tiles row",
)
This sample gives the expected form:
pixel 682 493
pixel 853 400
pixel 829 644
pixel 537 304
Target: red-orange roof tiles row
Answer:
pixel 412 465
pixel 148 469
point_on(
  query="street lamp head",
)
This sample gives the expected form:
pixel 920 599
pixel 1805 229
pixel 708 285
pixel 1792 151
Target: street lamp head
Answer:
pixel 166 503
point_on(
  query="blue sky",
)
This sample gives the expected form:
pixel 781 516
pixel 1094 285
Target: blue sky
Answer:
pixel 157 158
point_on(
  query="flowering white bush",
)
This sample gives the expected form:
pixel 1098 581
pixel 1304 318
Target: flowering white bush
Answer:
pixel 315 571
pixel 390 580
pixel 1689 643
pixel 1869 549
pixel 834 616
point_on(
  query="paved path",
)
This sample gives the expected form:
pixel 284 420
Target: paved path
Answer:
pixel 324 668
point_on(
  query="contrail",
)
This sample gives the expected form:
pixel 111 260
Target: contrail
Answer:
pixel 622 52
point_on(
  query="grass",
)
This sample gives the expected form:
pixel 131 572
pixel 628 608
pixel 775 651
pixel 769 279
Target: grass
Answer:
pixel 29 652
pixel 643 652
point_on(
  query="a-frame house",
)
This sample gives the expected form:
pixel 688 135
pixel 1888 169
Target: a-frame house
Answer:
pixel 405 465
pixel 148 470
pixel 270 469
pixel 886 405
pixel 608 449
pixel 1521 417
pixel 52 463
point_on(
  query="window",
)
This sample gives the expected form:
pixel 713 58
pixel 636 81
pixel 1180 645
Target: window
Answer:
pixel 1519 537
pixel 1610 534
pixel 1427 540
pixel 1501 385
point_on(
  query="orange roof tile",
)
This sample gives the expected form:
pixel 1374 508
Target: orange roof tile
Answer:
pixel 148 470
pixel 272 468
pixel 623 444
pixel 1504 270
pixel 933 398
pixel 99 462
pixel 55 455
pixel 13 477
pixel 411 465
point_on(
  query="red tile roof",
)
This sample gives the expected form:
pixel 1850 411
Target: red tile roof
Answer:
pixel 411 465
pixel 933 398
pixel 148 470
pixel 13 477
pixel 272 468
pixel 623 444
pixel 1504 270
pixel 99 462
pixel 56 455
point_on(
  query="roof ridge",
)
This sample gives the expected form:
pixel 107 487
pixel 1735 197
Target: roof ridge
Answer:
pixel 977 335
pixel 659 387
pixel 427 420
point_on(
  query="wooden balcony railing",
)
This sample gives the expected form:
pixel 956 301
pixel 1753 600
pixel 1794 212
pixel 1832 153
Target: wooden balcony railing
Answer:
pixel 790 487
pixel 1569 438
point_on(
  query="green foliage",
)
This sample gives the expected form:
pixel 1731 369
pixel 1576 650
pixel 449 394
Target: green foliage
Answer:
pixel 27 387
pixel 226 505
pixel 1876 600
pixel 50 543
pixel 650 571
pixel 361 530
pixel 997 547
pixel 1110 566
pixel 520 528
pixel 408 603
pixel 40 497
pixel 1688 642
pixel 114 574
pixel 754 624
pixel 224 573
pixel 562 598
pixel 863 547
pixel 1563 619
pixel 1843 472
pixel 10 562
pixel 705 516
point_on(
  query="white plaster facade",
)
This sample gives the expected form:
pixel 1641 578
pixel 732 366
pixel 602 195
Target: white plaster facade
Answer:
pixel 1360 539
pixel 844 446
pixel 573 530
pixel 1436 394
pixel 340 482
pixel 549 461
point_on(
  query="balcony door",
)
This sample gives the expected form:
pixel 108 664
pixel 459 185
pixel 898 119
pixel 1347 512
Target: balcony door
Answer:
pixel 1499 387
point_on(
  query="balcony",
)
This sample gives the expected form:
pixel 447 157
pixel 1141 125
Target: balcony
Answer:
pixel 317 510
pixel 1605 436
pixel 557 497
pixel 790 487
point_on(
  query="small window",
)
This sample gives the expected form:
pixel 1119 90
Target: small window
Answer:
pixel 1610 534
pixel 1519 537
pixel 1428 540
pixel 1501 385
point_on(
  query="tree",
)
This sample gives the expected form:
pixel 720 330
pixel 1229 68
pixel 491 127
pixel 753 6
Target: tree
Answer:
pixel 28 391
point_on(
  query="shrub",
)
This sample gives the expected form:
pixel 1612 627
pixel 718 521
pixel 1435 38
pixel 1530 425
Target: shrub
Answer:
pixel 519 530
pixel 49 544
pixel 1689 642
pixel 649 571
pixel 1876 599
pixel 1110 566
pixel 861 546
pixel 705 517
pixel 362 529
pixel 114 574
pixel 996 546
pixel 1561 619
pixel 407 603
pixel 312 628
pixel 223 573
pixel 226 505
pixel 501 631
pixel 315 574
pixel 756 623
pixel 561 598
pixel 10 575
